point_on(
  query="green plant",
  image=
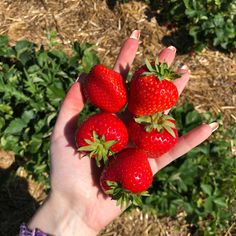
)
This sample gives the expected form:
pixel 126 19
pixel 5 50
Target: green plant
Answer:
pixel 202 183
pixel 208 22
pixel 33 82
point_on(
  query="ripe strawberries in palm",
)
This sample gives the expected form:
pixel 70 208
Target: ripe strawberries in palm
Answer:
pixel 155 134
pixel 127 176
pixel 101 135
pixel 151 89
pixel 105 89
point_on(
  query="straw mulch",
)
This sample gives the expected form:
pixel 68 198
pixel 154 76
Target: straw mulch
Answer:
pixel 136 222
pixel 212 86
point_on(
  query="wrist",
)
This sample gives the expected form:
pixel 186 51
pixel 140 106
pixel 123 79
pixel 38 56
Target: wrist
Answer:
pixel 55 217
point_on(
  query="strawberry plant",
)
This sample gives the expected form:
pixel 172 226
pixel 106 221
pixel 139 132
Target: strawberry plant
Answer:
pixel 33 82
pixel 207 22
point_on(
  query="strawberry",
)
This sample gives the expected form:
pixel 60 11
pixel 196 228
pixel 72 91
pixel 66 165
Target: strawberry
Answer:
pixel 155 134
pixel 105 89
pixel 151 89
pixel 101 135
pixel 127 176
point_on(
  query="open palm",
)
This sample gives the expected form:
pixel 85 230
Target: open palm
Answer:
pixel 75 180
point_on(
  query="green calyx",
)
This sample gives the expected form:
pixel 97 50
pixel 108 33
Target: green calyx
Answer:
pixel 157 121
pixel 98 148
pixel 161 70
pixel 123 197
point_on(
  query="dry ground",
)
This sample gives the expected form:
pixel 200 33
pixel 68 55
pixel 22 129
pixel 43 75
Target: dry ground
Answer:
pixel 212 86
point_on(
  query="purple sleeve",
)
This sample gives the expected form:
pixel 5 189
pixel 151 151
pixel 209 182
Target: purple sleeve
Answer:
pixel 24 231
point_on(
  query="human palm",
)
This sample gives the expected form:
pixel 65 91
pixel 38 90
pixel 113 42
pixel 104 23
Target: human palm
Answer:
pixel 75 179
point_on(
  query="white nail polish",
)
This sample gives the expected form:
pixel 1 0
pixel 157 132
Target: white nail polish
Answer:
pixel 214 126
pixel 135 34
pixel 172 48
pixel 184 67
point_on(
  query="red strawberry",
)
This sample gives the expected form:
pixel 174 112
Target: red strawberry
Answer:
pixel 105 89
pixel 155 134
pixel 101 135
pixel 151 91
pixel 127 176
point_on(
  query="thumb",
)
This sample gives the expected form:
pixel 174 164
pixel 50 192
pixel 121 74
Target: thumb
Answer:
pixel 70 109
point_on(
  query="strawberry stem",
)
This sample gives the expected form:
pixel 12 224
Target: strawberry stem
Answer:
pixel 158 121
pixel 161 70
pixel 124 197
pixel 98 148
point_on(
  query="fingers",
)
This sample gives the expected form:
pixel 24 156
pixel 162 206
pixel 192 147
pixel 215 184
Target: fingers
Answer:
pixel 71 107
pixel 127 54
pixel 167 55
pixel 181 82
pixel 184 145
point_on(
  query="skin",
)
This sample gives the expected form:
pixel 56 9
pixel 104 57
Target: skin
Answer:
pixel 76 204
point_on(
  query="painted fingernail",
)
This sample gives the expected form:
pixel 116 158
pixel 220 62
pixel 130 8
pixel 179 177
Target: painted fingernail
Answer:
pixel 172 48
pixel 185 67
pixel 77 79
pixel 135 34
pixel 214 126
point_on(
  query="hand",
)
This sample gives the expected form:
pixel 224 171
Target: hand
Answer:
pixel 76 204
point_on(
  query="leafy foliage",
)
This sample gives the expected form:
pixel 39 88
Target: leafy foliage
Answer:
pixel 200 183
pixel 33 82
pixel 208 22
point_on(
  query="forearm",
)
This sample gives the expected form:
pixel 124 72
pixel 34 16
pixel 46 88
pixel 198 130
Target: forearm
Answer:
pixel 55 218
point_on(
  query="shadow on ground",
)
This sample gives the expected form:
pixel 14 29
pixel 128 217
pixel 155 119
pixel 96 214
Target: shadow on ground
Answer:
pixel 16 203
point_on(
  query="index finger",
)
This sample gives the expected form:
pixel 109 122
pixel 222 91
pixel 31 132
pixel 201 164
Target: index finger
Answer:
pixel 127 54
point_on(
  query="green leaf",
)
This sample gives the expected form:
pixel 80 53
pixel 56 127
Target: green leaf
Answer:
pixel 16 126
pixel 27 116
pixel 220 201
pixel 3 41
pixel 186 3
pixel 2 122
pixel 89 59
pixel 193 118
pixel 206 188
pixel 208 205
pixel 24 51
pixel 42 59
pixel 35 143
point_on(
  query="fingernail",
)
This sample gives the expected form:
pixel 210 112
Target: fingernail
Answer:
pixel 77 79
pixel 172 48
pixel 214 126
pixel 135 34
pixel 185 67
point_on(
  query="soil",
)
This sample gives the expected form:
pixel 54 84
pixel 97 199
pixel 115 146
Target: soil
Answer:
pixel 106 24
